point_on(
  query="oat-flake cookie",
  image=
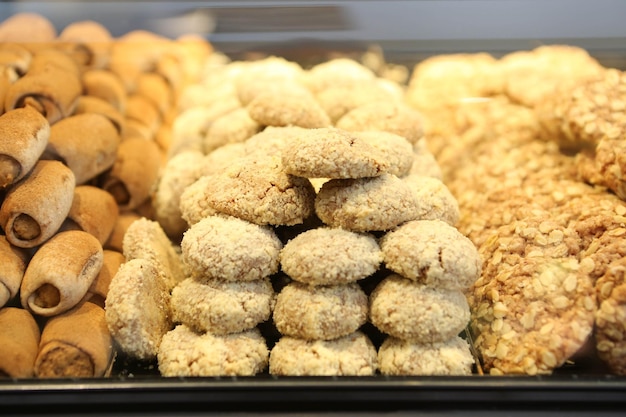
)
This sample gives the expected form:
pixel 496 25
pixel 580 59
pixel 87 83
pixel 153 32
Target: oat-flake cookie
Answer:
pixel 328 256
pixel 184 352
pixel 256 189
pixel 432 253
pixel 137 309
pixel 323 313
pixel 332 153
pixel 407 310
pixel 222 307
pixel 403 357
pixel 366 204
pixel 434 199
pixel 228 248
pixel 351 355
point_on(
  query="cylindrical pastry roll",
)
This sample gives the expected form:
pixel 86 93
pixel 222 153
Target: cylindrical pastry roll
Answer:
pixel 93 104
pixel 35 207
pixel 19 342
pixel 86 143
pixel 143 110
pixel 156 89
pixel 97 293
pixel 134 173
pixel 116 239
pixel 93 210
pixel 88 42
pixel 106 85
pixel 60 273
pixel 51 85
pixel 28 28
pixel 13 261
pixel 24 134
pixel 15 56
pixel 76 343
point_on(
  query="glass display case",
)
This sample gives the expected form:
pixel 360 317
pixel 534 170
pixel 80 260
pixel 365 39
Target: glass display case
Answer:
pixel 513 114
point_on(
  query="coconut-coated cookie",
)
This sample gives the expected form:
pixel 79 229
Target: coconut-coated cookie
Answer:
pixel 434 199
pixel 433 253
pixel 366 204
pixel 222 307
pixel 228 248
pixel 407 310
pixel 320 313
pixel 351 355
pixel 184 352
pixel 328 256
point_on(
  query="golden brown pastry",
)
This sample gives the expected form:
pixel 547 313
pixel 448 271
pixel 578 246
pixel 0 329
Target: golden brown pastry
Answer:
pixel 88 42
pixel 93 210
pixel 13 261
pixel 105 85
pixel 19 341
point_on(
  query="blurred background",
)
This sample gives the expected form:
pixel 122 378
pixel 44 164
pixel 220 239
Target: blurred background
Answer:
pixel 405 30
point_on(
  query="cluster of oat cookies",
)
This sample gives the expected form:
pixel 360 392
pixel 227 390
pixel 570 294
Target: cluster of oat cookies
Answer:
pixel 534 161
pixel 305 199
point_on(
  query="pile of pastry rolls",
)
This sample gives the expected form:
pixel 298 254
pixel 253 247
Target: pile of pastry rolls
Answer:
pixel 85 126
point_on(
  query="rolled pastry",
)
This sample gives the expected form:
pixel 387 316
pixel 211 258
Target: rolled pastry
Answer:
pixel 13 261
pixel 93 210
pixel 88 42
pixel 76 343
pixel 105 85
pixel 51 85
pixel 116 239
pixel 86 143
pixel 25 133
pixel 93 104
pixel 60 273
pixel 156 89
pixel 143 110
pixel 35 207
pixel 134 173
pixel 112 260
pixel 28 28
pixel 15 56
pixel 19 341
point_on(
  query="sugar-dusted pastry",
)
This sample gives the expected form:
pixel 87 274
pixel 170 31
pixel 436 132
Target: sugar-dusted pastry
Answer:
pixel 14 261
pixel 184 352
pixel 231 249
pixel 222 307
pixel 256 189
pixel 145 239
pixel 19 342
pixel 75 344
pixel 407 310
pixel 137 309
pixel 87 143
pixel 351 355
pixel 332 153
pixel 366 204
pixel 320 312
pixel 403 357
pixel 433 253
pixel 60 273
pixel 25 134
pixel 134 172
pixel 330 256
pixel 35 207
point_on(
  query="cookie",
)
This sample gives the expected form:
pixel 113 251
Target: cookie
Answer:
pixel 401 357
pixel 351 355
pixel 432 253
pixel 291 109
pixel 233 127
pixel 222 307
pixel 231 249
pixel 256 189
pixel 434 199
pixel 340 99
pixel 337 72
pixel 320 313
pixel 184 352
pixel 332 153
pixel 395 149
pixel 330 256
pixel 424 162
pixel 272 140
pixel 366 204
pixel 407 310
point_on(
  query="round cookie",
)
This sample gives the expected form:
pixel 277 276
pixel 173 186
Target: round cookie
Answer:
pixel 332 153
pixel 231 249
pixel 434 199
pixel 351 355
pixel 222 307
pixel 388 116
pixel 292 108
pixel 233 127
pixel 402 357
pixel 184 352
pixel 272 140
pixel 366 204
pixel 320 313
pixel 337 72
pixel 407 310
pixel 432 253
pixel 396 150
pixel 338 100
pixel 256 189
pixel 329 256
